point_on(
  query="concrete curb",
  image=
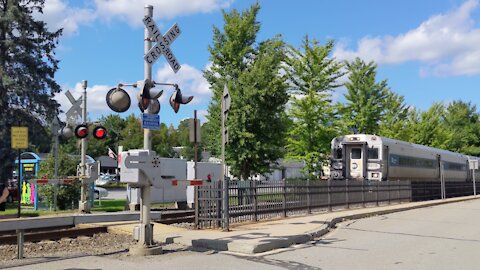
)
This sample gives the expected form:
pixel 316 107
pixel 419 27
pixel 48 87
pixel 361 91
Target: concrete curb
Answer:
pixel 268 244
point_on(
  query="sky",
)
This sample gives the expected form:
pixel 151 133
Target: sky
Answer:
pixel 428 51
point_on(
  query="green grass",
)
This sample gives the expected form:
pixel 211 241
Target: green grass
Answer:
pixel 103 206
pixel 109 205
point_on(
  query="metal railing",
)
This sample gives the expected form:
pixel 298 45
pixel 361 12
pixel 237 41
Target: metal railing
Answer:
pixel 253 200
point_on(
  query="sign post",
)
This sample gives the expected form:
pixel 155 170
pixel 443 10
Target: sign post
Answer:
pixel 19 141
pixel 225 103
pixel 473 166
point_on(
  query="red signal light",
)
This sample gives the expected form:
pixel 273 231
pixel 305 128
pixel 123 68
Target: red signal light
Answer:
pixel 81 131
pixel 99 132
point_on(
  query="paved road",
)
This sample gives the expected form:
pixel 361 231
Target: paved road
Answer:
pixel 117 193
pixel 441 237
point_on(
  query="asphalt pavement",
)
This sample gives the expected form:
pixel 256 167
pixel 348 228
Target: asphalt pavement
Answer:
pixel 297 242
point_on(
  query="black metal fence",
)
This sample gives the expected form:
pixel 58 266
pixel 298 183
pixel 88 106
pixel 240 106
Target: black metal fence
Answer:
pixel 254 200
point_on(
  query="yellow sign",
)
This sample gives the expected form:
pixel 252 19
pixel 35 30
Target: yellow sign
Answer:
pixel 19 137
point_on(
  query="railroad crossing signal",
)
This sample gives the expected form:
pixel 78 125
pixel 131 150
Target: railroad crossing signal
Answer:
pixel 163 43
pixel 99 132
pixel 75 111
pixel 148 97
pixel 177 98
pixel 226 103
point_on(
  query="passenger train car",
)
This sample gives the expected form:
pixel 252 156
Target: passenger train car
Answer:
pixel 370 157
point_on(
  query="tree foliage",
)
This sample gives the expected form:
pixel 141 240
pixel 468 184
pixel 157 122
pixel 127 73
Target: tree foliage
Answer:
pixel 312 74
pixel 365 98
pixel 256 121
pixel 27 69
pixel 394 121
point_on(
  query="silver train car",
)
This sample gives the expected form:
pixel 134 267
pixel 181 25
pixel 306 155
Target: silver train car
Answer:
pixel 375 158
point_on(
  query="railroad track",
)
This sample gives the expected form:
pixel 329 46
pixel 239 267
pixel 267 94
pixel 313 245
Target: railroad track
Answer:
pixel 57 233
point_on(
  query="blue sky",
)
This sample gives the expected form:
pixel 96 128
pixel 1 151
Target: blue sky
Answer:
pixel 429 50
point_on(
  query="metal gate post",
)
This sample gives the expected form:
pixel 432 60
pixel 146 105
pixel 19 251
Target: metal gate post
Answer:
pixel 284 204
pixel 398 183
pixel 388 187
pixel 346 194
pixel 329 195
pixel 255 205
pixel 309 202
pixel 226 208
pixel 363 193
pixel 196 205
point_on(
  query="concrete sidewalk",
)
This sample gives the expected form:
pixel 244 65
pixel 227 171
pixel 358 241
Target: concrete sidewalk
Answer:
pixel 268 235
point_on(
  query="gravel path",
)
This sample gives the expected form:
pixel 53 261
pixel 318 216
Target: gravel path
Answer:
pixel 99 244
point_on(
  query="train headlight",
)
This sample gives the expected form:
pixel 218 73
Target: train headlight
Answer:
pixel 337 165
pixel 373 166
pixel 354 165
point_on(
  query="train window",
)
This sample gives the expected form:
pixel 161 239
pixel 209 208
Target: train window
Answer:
pixel 356 153
pixel 373 153
pixel 337 153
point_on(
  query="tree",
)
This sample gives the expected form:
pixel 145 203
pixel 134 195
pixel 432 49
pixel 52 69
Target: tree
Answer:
pixel 230 55
pixel 394 118
pixel 257 120
pixel 365 98
pixel 462 119
pixel 427 127
pixel 132 134
pixel 160 142
pixel 27 68
pixel 67 194
pixel 312 75
pixel 257 127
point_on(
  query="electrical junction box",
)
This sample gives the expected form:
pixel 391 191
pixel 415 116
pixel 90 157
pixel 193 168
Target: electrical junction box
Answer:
pixel 131 164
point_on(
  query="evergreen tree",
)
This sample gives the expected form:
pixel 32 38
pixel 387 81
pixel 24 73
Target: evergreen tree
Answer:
pixel 27 68
pixel 365 98
pixel 312 75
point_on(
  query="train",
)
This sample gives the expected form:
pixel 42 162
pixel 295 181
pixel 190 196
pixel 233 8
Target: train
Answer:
pixel 375 158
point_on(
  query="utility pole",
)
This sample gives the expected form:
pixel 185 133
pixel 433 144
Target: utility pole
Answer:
pixel 55 129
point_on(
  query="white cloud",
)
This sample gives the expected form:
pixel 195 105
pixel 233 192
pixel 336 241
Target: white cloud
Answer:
pixel 447 44
pixel 57 14
pixel 96 103
pixel 189 79
pixel 133 11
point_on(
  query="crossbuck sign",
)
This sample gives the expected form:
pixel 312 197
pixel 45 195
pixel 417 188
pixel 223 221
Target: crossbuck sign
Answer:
pixel 163 43
pixel 75 111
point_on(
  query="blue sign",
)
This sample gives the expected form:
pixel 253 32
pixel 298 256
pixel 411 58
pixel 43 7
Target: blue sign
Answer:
pixel 151 121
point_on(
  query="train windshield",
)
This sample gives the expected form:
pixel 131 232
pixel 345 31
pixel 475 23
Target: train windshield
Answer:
pixel 337 153
pixel 356 153
pixel 373 153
